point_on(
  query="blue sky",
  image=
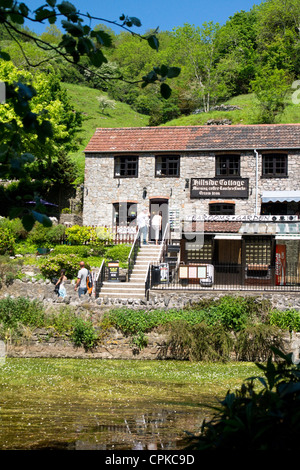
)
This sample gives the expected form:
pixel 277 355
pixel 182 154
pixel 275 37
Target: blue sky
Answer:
pixel 166 14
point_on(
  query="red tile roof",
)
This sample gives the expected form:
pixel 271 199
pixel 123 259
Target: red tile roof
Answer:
pixel 193 138
pixel 213 227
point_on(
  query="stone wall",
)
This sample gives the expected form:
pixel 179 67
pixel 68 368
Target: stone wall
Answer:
pixel 115 345
pixel 102 189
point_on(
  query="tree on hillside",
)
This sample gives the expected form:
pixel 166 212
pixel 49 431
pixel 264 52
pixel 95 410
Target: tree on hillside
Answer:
pixel 35 148
pixel 196 51
pixel 78 41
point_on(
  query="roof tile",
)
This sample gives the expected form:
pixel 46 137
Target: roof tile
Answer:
pixel 195 138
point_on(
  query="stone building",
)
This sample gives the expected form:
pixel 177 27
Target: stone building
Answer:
pixel 229 194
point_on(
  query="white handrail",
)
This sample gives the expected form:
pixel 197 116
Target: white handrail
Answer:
pixel 162 242
pixel 97 277
pixel 134 241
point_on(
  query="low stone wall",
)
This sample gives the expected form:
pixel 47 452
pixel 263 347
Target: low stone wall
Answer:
pixel 115 345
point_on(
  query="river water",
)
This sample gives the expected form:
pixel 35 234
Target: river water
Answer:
pixel 106 404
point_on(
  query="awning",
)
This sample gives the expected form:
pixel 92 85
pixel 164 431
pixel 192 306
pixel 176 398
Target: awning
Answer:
pixel 280 196
pixel 227 236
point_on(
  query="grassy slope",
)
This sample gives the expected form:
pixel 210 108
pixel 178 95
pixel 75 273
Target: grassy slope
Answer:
pixel 247 115
pixel 85 101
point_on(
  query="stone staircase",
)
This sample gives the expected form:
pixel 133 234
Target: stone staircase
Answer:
pixel 135 287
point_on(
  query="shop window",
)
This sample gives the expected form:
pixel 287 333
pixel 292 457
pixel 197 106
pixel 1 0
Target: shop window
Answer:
pixel 200 253
pixel 258 251
pixel 274 165
pixel 124 214
pixel 168 165
pixel 126 167
pixel 221 209
pixel 228 165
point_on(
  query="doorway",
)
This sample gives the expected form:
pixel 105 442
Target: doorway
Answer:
pixel 158 205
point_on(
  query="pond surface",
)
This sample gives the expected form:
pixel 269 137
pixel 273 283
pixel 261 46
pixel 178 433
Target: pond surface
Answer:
pixel 108 404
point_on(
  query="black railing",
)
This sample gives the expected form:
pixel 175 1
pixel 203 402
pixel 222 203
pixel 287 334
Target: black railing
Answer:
pixel 100 278
pixel 225 277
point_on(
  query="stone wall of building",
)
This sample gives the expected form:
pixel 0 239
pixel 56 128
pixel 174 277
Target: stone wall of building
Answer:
pixel 102 189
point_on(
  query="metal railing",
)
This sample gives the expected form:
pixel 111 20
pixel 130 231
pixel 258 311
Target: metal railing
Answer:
pixel 133 254
pixel 100 277
pixel 164 243
pixel 147 281
pixel 227 277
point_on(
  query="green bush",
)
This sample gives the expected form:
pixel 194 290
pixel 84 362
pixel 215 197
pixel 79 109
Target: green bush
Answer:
pixel 45 236
pixel 81 235
pixel 52 265
pixel 84 333
pixel 62 322
pixel 118 253
pixel 287 319
pixel 255 341
pixel 21 311
pixel 15 226
pixel 7 241
pixel 198 342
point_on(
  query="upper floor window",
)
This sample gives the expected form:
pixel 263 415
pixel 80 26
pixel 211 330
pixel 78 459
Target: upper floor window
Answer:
pixel 126 167
pixel 228 165
pixel 221 208
pixel 274 165
pixel 168 165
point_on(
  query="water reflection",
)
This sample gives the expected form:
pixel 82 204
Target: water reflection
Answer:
pixel 159 430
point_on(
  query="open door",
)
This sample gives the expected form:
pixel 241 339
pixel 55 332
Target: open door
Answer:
pixel 158 205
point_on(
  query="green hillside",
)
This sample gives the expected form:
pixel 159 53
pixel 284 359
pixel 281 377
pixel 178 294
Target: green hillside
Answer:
pixel 85 101
pixel 248 114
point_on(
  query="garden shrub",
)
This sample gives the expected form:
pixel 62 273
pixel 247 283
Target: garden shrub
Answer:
pixel 7 241
pixel 81 235
pixel 21 310
pixel 118 253
pixel 52 265
pixel 287 319
pixel 15 226
pixel 254 342
pixel 46 236
pixel 199 342
pixel 84 333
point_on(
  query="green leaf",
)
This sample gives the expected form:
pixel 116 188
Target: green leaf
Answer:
pixel 173 72
pixel 28 222
pixel 102 38
pixel 135 21
pixel 51 3
pixel 42 13
pixel 66 8
pixel 153 42
pixel 97 58
pixel 165 91
pixel 75 30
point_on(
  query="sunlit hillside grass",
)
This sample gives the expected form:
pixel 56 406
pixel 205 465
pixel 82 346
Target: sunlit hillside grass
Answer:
pixel 85 101
pixel 248 114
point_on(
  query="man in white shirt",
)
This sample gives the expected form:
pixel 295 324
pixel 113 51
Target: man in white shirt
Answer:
pixel 143 222
pixel 81 280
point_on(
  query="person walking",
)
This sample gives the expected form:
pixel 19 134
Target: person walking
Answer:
pixel 156 225
pixel 60 284
pixel 81 280
pixel 143 223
